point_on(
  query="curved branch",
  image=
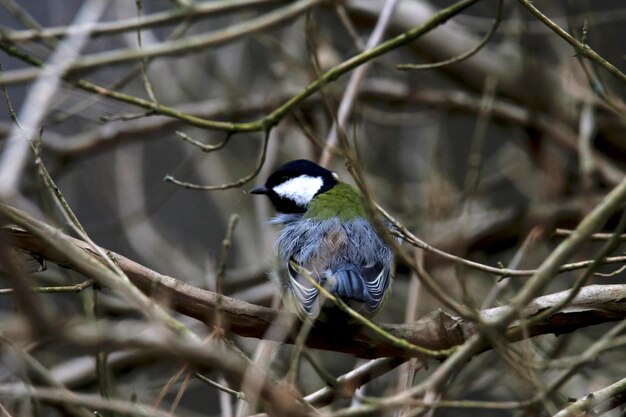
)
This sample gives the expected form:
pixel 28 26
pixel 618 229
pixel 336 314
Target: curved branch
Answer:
pixel 467 54
pixel 593 305
pixel 235 184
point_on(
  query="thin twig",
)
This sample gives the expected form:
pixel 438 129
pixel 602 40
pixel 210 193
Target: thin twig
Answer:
pixel 194 11
pixel 344 18
pixel 298 349
pixel 580 47
pixel 203 146
pixel 7 100
pixel 60 289
pixel 410 238
pixel 320 370
pixel 237 394
pixel 143 62
pixel 464 55
pixel 221 268
pixel 607 248
pixel 595 236
pixel 353 379
pixel 179 393
pixel 611 274
pixel 66 210
pixel 235 184
pixel 184 370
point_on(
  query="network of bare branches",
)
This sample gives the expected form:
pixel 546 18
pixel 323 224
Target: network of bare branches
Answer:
pixel 134 265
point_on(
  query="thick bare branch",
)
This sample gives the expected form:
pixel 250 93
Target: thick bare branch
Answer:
pixel 595 304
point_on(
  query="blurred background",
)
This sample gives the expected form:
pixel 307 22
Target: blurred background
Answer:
pixel 483 158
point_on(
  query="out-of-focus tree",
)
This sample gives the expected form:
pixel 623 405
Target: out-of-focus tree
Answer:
pixel 135 265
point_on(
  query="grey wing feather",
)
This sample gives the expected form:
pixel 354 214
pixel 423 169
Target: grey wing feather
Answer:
pixel 376 279
pixel 365 284
pixel 306 295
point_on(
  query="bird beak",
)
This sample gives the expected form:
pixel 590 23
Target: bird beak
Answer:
pixel 259 189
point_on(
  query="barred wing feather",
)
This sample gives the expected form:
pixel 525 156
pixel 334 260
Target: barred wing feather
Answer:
pixel 363 283
pixel 304 292
pixel 376 279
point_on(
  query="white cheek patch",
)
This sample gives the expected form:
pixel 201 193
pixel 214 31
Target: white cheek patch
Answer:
pixel 300 190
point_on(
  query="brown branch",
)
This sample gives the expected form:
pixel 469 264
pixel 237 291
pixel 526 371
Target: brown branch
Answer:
pixel 595 304
pixel 82 258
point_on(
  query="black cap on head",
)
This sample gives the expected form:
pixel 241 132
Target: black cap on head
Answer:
pixel 309 180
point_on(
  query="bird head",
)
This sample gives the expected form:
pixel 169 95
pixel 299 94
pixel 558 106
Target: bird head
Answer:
pixel 292 186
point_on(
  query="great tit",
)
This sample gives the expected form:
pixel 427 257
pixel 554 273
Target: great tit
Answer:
pixel 326 235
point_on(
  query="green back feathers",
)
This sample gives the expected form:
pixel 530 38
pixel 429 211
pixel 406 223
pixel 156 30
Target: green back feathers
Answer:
pixel 342 201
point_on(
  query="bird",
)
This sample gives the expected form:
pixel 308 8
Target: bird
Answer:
pixel 326 236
